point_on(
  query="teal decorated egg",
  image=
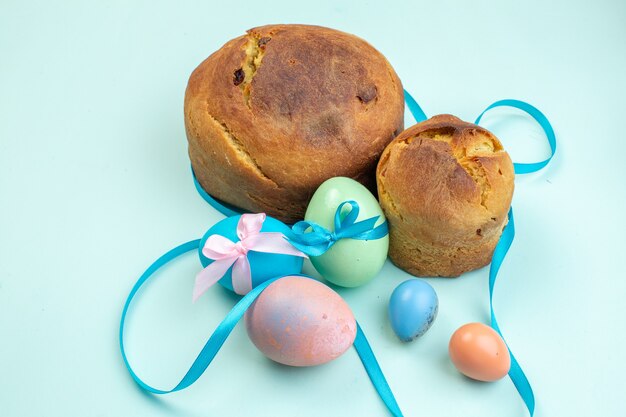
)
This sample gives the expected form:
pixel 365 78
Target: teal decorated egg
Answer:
pixel 241 252
pixel 348 262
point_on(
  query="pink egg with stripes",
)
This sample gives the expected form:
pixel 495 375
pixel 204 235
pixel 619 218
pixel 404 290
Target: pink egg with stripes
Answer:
pixel 299 321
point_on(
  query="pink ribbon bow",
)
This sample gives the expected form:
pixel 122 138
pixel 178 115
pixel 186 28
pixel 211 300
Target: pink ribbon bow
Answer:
pixel 226 253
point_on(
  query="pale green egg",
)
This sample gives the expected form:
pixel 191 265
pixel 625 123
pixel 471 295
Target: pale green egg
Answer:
pixel 349 262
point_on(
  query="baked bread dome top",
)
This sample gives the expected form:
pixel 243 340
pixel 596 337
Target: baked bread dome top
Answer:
pixel 446 187
pixel 274 113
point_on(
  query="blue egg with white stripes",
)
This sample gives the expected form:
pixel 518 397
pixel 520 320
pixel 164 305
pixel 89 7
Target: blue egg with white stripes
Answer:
pixel 413 307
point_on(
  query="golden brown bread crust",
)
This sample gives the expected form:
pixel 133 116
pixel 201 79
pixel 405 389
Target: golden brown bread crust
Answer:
pixel 445 187
pixel 274 113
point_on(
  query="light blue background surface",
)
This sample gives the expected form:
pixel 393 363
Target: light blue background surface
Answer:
pixel 95 184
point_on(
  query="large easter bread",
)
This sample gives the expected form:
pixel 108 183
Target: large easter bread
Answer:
pixel 275 112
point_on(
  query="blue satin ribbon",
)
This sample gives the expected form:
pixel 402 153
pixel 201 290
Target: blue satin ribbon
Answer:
pixel 414 108
pixel 524 168
pixel 515 373
pixel 506 239
pixel 319 239
pixel 223 330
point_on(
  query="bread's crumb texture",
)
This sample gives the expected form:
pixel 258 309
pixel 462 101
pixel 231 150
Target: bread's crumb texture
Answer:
pixel 254 49
pixel 468 158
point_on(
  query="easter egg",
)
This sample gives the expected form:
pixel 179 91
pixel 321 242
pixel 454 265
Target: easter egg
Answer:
pixel 413 307
pixel 299 321
pixel 479 352
pixel 349 262
pixel 263 266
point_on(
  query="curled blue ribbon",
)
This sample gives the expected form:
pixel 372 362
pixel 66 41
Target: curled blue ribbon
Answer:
pixel 223 330
pixel 320 239
pixel 524 168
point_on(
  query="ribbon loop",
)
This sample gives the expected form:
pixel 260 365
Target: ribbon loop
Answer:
pixel 535 113
pixel 314 239
pixel 226 326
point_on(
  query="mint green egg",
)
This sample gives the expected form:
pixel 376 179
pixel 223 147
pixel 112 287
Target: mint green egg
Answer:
pixel 349 262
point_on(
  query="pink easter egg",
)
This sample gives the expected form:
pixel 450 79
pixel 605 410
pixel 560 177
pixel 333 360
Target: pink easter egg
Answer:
pixel 299 321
